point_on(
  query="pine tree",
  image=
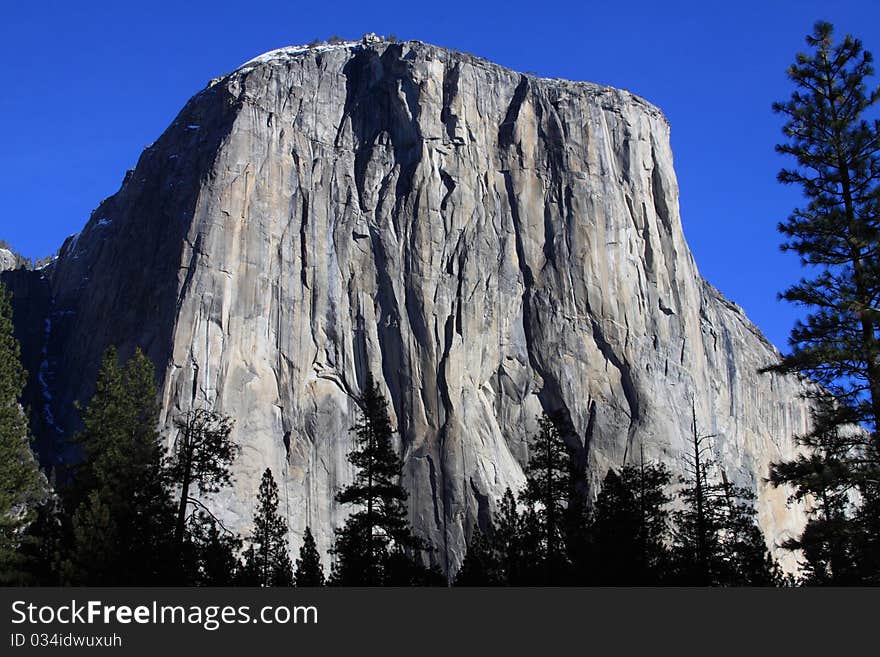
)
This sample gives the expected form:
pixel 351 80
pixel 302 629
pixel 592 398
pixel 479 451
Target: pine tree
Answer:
pixel 480 565
pixel 309 571
pixel 248 571
pixel 267 560
pixel 511 542
pixel 22 485
pixel 124 515
pixel 866 540
pixel 614 526
pixel 822 476
pixel 649 482
pixel 577 528
pixel 629 528
pixel 836 235
pixel 716 541
pixel 745 556
pixel 45 544
pixel 547 492
pixel 201 457
pixel 697 545
pixel 210 552
pixel 376 546
pixel 354 564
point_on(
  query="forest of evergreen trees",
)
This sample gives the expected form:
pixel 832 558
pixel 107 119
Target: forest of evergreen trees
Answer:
pixel 131 512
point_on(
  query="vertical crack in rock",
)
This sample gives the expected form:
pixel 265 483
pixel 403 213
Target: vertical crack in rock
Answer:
pixel 195 384
pixel 484 509
pixel 195 252
pixel 626 379
pixel 507 129
pixel 448 117
pixel 433 479
pixel 449 185
pixel 664 214
pixel 304 242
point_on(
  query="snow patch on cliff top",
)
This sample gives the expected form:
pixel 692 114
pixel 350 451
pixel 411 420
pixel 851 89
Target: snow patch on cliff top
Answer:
pixel 292 51
pixel 289 52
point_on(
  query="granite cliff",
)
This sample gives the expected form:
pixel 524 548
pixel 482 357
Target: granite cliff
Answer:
pixel 488 244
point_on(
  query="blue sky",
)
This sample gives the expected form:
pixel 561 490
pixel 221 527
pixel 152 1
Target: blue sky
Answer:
pixel 88 84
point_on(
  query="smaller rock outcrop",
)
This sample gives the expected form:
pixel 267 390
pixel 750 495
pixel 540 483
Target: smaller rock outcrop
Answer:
pixel 8 260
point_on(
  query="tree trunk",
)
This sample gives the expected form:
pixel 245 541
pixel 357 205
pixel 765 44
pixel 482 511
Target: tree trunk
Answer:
pixel 184 486
pixel 863 295
pixel 702 560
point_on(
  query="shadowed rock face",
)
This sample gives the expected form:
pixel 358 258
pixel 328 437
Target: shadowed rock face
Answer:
pixel 30 312
pixel 487 244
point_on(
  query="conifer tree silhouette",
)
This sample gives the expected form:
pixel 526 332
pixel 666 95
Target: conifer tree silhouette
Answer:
pixel 123 523
pixel 546 496
pixel 267 559
pixel 836 148
pixel 309 571
pixel 23 487
pixel 480 565
pixel 376 546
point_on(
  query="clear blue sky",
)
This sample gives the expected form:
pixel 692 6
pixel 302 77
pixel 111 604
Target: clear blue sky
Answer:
pixel 86 85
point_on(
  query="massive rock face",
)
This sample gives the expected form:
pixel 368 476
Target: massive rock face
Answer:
pixel 488 244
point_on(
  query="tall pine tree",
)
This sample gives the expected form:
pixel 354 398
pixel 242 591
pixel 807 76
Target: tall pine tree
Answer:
pixel 747 562
pixel 22 485
pixel 376 546
pixel 821 478
pixel 480 564
pixel 267 559
pixel 837 235
pixel 697 545
pixel 547 493
pixel 201 456
pixel 630 527
pixel 716 541
pixel 510 543
pixel 309 571
pixel 123 522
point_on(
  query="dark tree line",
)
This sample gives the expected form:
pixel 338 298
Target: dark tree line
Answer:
pixel 23 262
pixel 135 512
pixel 128 515
pixel 635 533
